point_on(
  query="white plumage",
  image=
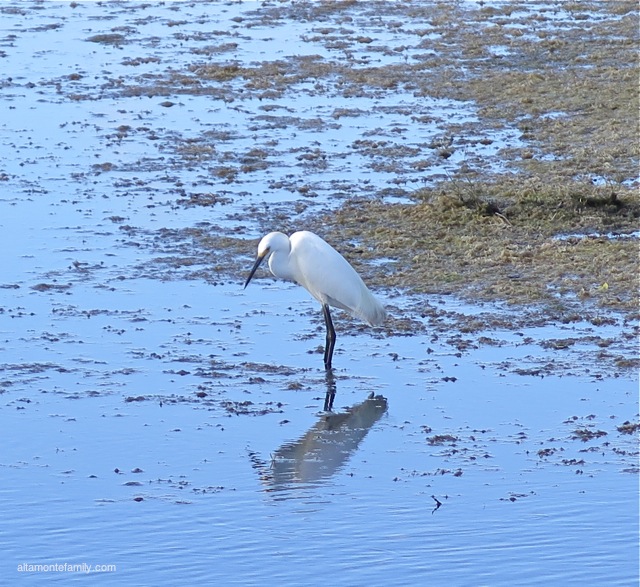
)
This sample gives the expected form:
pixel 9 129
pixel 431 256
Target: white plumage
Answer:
pixel 311 262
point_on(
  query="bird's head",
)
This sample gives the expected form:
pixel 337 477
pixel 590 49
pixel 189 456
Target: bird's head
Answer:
pixel 274 242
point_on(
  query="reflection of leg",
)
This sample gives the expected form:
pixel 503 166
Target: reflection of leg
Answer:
pixel 331 391
pixel 331 337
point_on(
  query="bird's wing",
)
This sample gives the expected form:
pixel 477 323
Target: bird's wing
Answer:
pixel 330 279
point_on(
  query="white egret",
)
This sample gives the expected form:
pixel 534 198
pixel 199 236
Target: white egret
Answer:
pixel 314 264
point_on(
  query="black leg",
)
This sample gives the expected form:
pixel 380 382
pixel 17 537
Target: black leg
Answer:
pixel 331 337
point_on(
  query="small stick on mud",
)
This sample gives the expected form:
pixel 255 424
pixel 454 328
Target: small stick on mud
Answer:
pixel 438 504
pixel 503 218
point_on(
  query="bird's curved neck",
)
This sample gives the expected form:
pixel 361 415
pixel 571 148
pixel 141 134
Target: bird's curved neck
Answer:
pixel 280 265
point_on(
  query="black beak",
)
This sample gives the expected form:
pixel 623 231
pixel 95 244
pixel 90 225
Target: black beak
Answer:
pixel 259 260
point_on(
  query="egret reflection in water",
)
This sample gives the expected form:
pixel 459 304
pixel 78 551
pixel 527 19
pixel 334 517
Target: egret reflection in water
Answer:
pixel 325 447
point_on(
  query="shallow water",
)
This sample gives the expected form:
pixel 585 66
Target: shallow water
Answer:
pixel 175 428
